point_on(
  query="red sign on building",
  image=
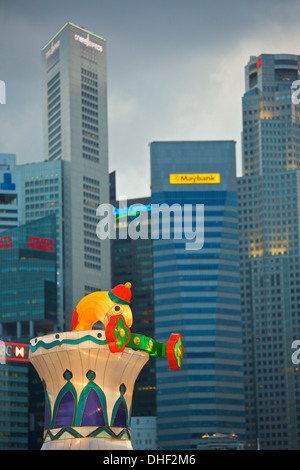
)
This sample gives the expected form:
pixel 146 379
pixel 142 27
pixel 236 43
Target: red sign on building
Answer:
pixel 5 242
pixel 13 352
pixel 37 243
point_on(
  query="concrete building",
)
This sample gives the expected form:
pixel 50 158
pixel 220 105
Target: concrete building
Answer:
pixel 75 131
pixel 9 196
pixel 143 433
pixel 269 226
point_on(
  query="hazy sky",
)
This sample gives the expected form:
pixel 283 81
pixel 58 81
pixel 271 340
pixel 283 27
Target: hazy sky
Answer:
pixel 175 70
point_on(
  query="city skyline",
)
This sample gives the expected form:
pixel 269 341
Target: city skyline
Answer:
pixel 174 72
pixel 182 98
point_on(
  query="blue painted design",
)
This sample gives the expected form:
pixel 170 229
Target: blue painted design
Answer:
pixel 42 344
pixel 93 413
pixel 120 416
pixel 65 404
pixel 7 183
pixel 65 410
pixel 92 408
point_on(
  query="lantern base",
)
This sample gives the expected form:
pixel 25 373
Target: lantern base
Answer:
pixel 87 444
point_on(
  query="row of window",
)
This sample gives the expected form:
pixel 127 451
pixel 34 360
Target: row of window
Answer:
pixel 91 188
pixel 90 97
pixel 91 158
pixel 89 81
pixel 89 111
pixel 89 104
pixel 92 128
pixel 38 182
pixel 93 266
pixel 89 150
pixel 41 205
pixel 90 142
pixel 41 189
pixel 53 83
pixel 89 108
pixel 87 179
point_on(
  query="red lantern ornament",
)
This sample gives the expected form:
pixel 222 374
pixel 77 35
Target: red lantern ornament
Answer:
pixel 117 333
pixel 175 351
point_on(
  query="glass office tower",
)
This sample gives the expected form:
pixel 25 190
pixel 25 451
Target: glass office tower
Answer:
pixel 14 402
pixel 197 294
pixel 132 261
pixel 269 203
pixel 75 131
pixel 28 307
pixel 28 280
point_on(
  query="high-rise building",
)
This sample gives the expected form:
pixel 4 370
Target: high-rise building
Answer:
pixel 30 192
pixel 197 292
pixel 28 306
pixel 9 196
pixel 269 225
pixel 75 131
pixel 132 261
pixel 41 194
pixel 14 401
pixel 28 279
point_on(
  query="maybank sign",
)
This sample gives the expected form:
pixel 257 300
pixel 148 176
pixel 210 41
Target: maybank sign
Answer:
pixel 195 178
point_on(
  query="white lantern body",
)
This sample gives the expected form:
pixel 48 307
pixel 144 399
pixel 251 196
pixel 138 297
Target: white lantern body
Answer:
pixel 88 390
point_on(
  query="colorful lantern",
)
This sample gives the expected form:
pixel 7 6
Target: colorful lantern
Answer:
pixel 89 375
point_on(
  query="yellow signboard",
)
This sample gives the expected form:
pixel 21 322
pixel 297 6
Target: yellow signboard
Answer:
pixel 195 178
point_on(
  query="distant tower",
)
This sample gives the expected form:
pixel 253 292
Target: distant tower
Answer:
pixel 75 131
pixel 269 221
pixel 198 291
pixel 9 192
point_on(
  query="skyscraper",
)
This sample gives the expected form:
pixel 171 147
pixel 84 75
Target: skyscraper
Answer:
pixel 132 261
pixel 75 131
pixel 269 225
pixel 28 279
pixel 28 286
pixel 197 294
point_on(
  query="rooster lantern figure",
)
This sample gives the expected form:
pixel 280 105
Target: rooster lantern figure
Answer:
pixel 112 308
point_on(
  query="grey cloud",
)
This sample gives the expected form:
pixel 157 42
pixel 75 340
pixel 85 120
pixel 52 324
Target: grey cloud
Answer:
pixel 175 70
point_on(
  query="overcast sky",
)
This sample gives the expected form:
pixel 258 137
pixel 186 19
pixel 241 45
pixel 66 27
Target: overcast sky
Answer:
pixel 175 70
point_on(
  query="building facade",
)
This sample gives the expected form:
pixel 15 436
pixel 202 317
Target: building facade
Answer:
pixel 197 293
pixel 14 400
pixel 9 194
pixel 143 434
pixel 75 131
pixel 28 307
pixel 269 226
pixel 28 279
pixel 132 261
